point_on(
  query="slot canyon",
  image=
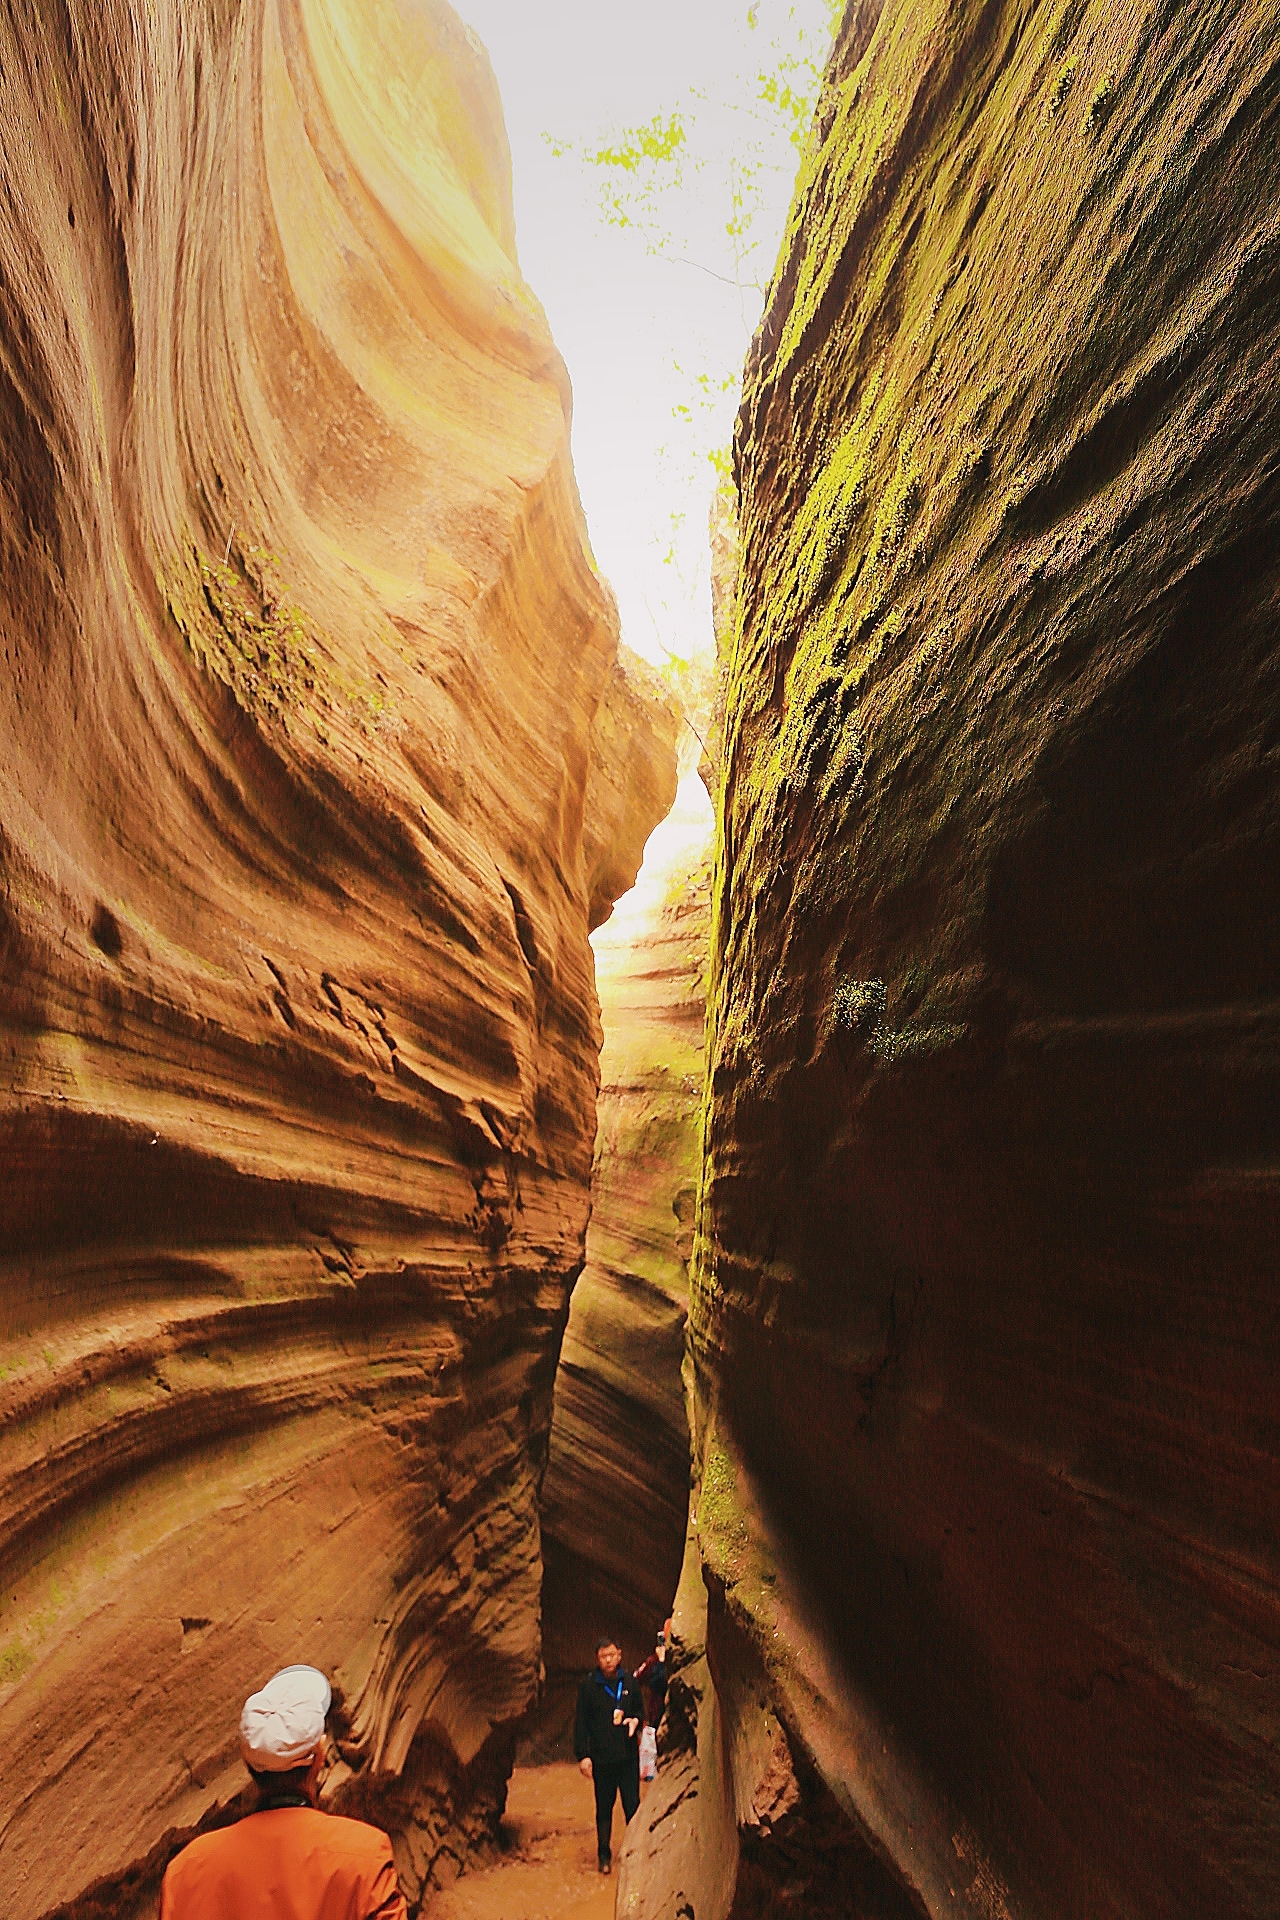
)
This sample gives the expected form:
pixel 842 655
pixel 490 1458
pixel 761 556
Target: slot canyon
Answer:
pixel 495 1145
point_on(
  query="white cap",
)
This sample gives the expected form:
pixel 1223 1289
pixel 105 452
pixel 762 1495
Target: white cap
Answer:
pixel 282 1726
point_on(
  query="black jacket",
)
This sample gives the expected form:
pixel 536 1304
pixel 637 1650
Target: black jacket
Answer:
pixel 595 1737
pixel 651 1678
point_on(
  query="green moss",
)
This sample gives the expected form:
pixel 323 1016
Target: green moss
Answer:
pixel 1102 102
pixel 890 1044
pixel 15 1660
pixel 858 1005
pixel 866 125
pixel 861 1007
pixel 1062 87
pixel 719 1514
pixel 824 606
pixel 1060 28
pixel 246 628
pixel 845 768
pixel 897 509
pixel 823 524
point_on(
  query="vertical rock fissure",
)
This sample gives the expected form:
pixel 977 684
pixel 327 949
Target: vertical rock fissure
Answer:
pixel 616 1493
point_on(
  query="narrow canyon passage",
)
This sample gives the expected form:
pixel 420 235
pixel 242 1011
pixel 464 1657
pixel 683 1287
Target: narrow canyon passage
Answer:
pixel 501 1143
pixel 615 1497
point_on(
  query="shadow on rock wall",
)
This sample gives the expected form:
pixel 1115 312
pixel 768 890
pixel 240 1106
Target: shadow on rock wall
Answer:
pixel 985 1305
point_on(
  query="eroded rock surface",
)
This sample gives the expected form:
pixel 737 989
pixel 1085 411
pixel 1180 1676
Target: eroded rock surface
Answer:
pixel 985 1313
pixel 615 1499
pixel 304 666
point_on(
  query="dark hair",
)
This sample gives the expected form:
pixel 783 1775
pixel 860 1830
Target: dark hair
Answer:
pixel 292 1780
pixel 605 1640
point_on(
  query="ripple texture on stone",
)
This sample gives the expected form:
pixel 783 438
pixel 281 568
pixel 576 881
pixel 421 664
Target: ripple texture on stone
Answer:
pixel 318 759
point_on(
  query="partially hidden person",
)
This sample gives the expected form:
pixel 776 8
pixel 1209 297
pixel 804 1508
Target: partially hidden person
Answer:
pixel 606 1744
pixel 286 1860
pixel 651 1678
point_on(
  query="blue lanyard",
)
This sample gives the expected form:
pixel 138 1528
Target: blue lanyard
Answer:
pixel 614 1693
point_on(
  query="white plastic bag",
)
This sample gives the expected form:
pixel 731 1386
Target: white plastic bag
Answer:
pixel 648 1753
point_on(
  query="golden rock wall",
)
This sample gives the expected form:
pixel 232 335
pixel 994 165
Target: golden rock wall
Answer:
pixel 306 805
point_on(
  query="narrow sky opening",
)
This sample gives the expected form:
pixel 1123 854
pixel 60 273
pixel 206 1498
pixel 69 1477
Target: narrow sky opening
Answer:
pixel 647 334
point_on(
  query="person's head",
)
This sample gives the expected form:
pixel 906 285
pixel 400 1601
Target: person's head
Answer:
pixel 608 1656
pixel 282 1732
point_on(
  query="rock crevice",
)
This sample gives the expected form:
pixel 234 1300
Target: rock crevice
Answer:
pixel 616 1492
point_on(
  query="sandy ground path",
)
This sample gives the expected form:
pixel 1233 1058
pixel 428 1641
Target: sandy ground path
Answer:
pixel 550 1872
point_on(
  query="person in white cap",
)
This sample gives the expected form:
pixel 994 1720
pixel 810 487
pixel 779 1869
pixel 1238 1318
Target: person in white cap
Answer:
pixel 286 1860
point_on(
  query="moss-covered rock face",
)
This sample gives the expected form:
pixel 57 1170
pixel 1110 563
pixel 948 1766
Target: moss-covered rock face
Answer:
pixel 985 1313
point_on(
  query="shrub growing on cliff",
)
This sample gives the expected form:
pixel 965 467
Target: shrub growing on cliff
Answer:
pixel 859 1005
pixel 705 183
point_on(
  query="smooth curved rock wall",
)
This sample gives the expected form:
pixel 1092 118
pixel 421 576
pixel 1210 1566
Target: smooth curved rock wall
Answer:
pixel 306 806
pixel 985 1308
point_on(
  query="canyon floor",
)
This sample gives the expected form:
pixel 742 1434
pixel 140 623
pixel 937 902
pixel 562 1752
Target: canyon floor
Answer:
pixel 549 1872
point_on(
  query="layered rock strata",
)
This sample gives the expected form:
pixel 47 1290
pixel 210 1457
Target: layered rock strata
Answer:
pixel 985 1307
pixel 616 1492
pixel 317 761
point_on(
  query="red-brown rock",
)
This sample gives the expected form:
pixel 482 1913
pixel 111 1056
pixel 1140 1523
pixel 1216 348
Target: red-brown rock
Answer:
pixel 615 1499
pixel 985 1313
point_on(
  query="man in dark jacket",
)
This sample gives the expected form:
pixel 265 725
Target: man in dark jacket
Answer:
pixel 606 1741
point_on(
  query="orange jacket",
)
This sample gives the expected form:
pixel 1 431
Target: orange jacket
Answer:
pixel 290 1863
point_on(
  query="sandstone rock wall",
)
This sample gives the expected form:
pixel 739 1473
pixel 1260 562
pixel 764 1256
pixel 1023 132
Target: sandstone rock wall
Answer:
pixel 307 799
pixel 615 1499
pixel 985 1307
